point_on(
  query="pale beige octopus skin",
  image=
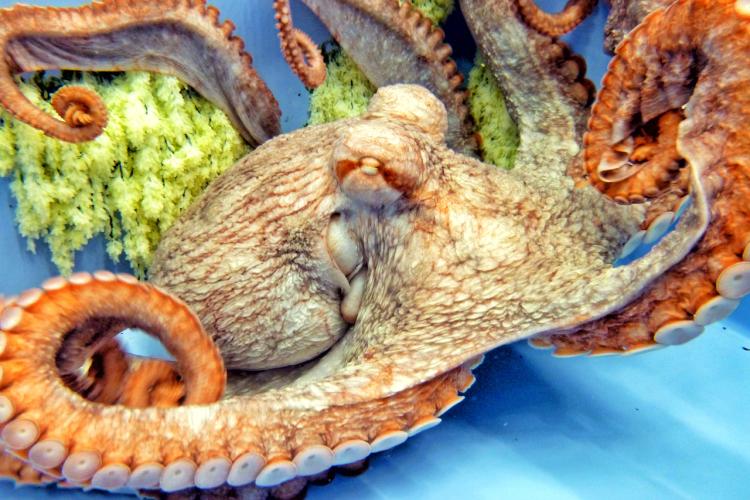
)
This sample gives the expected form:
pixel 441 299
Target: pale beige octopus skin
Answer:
pixel 500 256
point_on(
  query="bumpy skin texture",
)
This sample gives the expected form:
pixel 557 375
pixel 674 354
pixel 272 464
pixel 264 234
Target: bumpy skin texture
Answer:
pixel 430 256
pixel 182 38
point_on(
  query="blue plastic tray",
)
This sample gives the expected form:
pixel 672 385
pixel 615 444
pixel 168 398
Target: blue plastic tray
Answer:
pixel 666 424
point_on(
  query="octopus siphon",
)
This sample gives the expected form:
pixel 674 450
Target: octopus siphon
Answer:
pixel 328 296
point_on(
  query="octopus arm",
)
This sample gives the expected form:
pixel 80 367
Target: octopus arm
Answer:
pixel 713 142
pixel 298 49
pixel 544 84
pixel 558 24
pixel 402 46
pixel 184 39
pixel 267 438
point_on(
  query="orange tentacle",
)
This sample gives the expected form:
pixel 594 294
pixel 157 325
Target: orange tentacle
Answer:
pixel 299 51
pixel 707 285
pixel 235 441
pixel 639 167
pixel 555 25
pixel 153 383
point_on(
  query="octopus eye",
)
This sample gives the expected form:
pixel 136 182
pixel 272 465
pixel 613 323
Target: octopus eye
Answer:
pixel 380 160
pixel 378 164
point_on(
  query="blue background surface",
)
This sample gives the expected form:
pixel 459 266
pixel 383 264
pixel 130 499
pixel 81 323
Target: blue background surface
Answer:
pixel 667 424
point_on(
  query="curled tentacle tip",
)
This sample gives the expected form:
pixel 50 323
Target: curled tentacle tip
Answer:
pixel 299 50
pixel 555 25
pixel 83 110
pixel 312 68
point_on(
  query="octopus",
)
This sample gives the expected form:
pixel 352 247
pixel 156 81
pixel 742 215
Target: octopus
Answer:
pixel 328 297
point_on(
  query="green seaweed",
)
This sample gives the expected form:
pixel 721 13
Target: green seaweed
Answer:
pixel 345 92
pixel 498 132
pixel 162 145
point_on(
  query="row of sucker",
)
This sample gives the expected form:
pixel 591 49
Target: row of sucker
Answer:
pixel 641 166
pixel 45 441
pixel 300 52
pixel 229 80
pixel 661 213
pixel 630 146
pixel 433 38
pixel 571 72
pixel 569 67
pixel 63 304
pixel 294 489
pixel 708 284
pixel 558 24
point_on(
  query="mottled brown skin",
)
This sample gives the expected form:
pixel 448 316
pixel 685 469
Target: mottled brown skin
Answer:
pixel 457 257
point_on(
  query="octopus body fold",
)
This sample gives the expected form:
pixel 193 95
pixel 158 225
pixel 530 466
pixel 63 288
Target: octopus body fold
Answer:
pixel 351 275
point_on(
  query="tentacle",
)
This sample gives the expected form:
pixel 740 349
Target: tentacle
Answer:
pixel 153 383
pixel 402 46
pixel 574 12
pixel 707 284
pixel 267 439
pixel 300 52
pixel 87 317
pixel 640 166
pixel 544 84
pixel 180 38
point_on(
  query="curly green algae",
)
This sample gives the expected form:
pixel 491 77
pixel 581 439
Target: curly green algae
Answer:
pixel 347 91
pixel 162 145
